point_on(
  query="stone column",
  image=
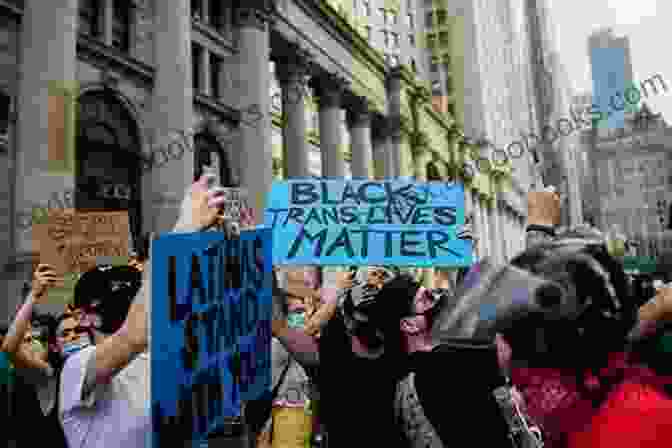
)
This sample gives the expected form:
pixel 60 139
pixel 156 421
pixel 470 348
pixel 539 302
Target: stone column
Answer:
pixel 292 68
pixel 420 160
pixel 330 89
pixel 206 82
pixel 394 113
pixel 485 234
pixel 108 21
pixel 48 42
pixel 495 234
pixel 172 110
pixel 359 121
pixel 256 154
pixel 381 146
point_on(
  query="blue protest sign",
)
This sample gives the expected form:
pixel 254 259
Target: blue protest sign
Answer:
pixel 367 222
pixel 210 330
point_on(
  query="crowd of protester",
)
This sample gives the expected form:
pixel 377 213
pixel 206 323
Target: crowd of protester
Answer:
pixel 554 349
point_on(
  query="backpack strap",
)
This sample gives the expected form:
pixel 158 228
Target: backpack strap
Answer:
pixel 416 427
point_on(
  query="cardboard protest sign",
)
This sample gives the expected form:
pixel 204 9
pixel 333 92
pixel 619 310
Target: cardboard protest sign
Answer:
pixel 367 222
pixel 210 333
pixel 74 242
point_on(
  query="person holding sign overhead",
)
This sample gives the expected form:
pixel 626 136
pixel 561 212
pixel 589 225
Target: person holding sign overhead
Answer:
pixel 104 382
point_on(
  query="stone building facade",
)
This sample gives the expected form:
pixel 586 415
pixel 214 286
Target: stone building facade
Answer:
pixel 144 74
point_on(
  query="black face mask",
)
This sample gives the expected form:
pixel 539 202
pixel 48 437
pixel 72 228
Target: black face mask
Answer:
pixel 359 323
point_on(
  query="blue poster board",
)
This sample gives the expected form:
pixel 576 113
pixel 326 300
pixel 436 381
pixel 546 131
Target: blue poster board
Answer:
pixel 366 222
pixel 210 331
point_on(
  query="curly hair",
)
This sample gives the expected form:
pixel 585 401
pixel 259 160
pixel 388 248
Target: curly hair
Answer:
pixel 604 311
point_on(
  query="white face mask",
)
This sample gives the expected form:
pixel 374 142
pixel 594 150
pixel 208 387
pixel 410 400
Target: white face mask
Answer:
pixel 70 348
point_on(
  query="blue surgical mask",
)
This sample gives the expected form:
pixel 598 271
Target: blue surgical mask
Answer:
pixel 70 348
pixel 296 319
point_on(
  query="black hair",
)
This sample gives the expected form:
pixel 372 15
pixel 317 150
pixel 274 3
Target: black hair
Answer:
pixel 112 289
pixel 596 284
pixel 393 302
pixel 4 328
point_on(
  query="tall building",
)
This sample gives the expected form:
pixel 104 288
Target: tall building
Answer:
pixel 475 66
pixel 611 67
pixel 581 107
pixel 567 147
pixel 632 175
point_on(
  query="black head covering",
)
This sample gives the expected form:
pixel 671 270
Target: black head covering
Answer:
pixel 109 290
pixel 555 302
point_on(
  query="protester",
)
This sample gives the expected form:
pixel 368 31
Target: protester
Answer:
pixel 104 382
pixel 570 363
pixel 6 389
pixel 358 368
pixel 34 392
pixel 291 422
pixel 448 393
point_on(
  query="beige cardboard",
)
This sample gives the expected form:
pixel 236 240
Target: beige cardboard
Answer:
pixel 73 241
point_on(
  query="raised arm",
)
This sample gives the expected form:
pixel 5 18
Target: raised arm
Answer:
pixel 200 209
pixel 43 278
pixel 543 214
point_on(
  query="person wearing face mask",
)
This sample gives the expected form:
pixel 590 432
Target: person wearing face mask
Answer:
pixel 35 387
pixel 357 367
pixel 290 424
pixel 103 398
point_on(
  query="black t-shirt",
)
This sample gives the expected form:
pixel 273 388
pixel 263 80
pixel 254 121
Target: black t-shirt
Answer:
pixel 454 386
pixel 356 394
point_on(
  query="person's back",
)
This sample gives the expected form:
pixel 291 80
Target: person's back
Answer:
pixel 111 415
pixel 454 387
pixel 357 394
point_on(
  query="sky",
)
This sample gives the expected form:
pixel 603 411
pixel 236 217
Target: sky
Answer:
pixel 645 22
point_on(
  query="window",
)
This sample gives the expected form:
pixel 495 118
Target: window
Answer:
pixel 381 11
pixel 449 85
pixel 90 16
pixel 216 66
pixel 394 60
pixel 209 153
pixel 368 33
pixel 197 9
pixel 446 62
pixel 196 52
pixel 411 22
pixel 414 66
pixel 121 25
pixel 397 44
pixel 386 38
pixel 441 17
pixel 216 14
pixel 433 67
pixel 431 41
pixel 411 40
pixel 429 19
pixel 394 19
pixel 5 104
pixel 367 8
